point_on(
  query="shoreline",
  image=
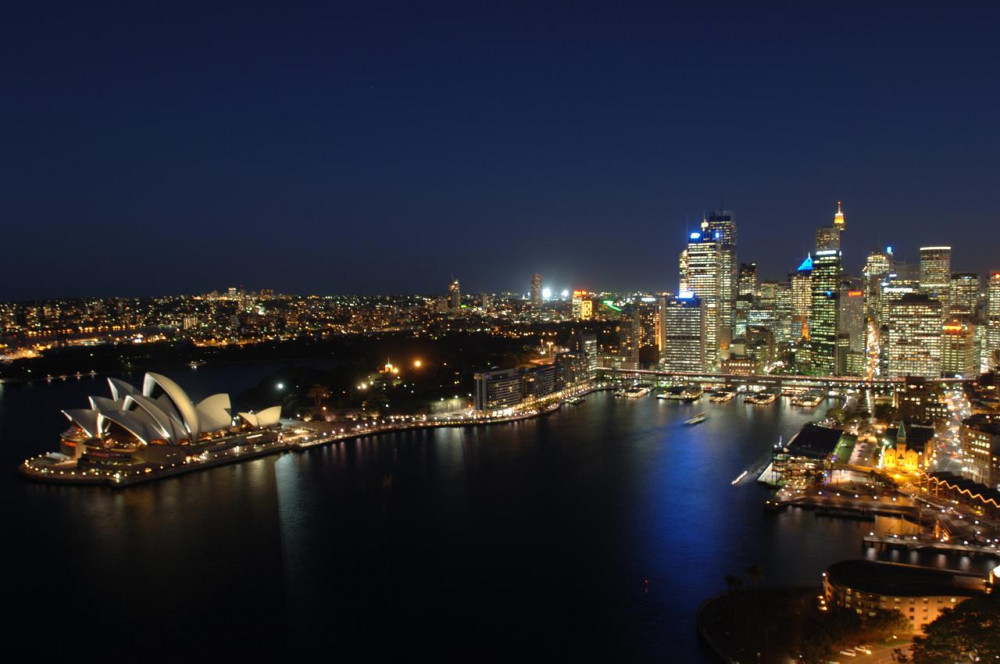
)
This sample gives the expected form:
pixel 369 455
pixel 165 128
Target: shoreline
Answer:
pixel 257 451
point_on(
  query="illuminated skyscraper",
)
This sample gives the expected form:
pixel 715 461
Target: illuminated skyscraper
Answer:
pixel 828 237
pixel 958 350
pixel 964 293
pixel 914 336
pixel 704 280
pixel 454 296
pixel 748 279
pixel 536 290
pixel 722 227
pixel 851 326
pixel 683 269
pixel 935 273
pixel 992 320
pixel 801 287
pixel 823 321
pixel 684 334
pixel 876 270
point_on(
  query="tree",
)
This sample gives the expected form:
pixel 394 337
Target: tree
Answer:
pixel 318 393
pixel 885 624
pixel 970 632
pixel 755 572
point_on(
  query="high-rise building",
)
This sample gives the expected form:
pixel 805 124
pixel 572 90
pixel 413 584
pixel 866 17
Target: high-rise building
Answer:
pixel 851 323
pixel 980 435
pixel 683 269
pixel 536 290
pixel 992 321
pixel 684 334
pixel 748 280
pixel 876 270
pixel 801 288
pixel 914 336
pixel 722 227
pixel 704 280
pixel 454 296
pixel 935 273
pixel 823 321
pixel 965 288
pixel 783 329
pixel 828 237
pixel 958 349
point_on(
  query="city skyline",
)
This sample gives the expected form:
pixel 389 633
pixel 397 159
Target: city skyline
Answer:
pixel 356 149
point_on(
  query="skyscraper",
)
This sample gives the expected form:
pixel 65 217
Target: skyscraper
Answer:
pixel 851 322
pixel 828 237
pixel 914 336
pixel 824 317
pixel 958 350
pixel 876 270
pixel 684 334
pixel 935 273
pixel 748 279
pixel 536 290
pixel 801 287
pixel 964 293
pixel 722 227
pixel 704 280
pixel 454 296
pixel 992 320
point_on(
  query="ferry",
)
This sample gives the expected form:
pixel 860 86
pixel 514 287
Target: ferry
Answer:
pixel 574 401
pixel 681 394
pixel 697 419
pixel 636 392
pixel 722 397
pixel 809 400
pixel 762 399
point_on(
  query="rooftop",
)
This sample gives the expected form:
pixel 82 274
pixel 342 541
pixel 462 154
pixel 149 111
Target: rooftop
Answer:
pixel 897 580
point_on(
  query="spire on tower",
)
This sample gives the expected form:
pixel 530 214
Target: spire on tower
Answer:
pixel 838 219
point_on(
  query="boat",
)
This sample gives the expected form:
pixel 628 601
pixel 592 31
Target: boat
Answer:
pixel 697 419
pixel 687 394
pixel 574 401
pixel 721 397
pixel 636 392
pixel 762 399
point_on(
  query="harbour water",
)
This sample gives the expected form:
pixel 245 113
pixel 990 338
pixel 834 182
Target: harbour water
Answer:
pixel 591 534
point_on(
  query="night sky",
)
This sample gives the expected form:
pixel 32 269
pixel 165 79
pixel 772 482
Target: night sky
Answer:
pixel 155 148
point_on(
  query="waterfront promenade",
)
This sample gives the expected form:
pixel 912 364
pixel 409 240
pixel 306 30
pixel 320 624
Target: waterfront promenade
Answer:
pixel 293 437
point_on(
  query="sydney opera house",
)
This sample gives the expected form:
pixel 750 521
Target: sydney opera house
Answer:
pixel 158 425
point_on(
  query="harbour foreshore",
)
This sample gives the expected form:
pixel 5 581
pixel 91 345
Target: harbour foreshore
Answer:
pixel 289 440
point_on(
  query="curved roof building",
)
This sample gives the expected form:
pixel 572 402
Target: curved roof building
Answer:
pixel 161 414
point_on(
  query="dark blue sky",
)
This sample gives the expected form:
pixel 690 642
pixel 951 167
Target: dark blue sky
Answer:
pixel 383 147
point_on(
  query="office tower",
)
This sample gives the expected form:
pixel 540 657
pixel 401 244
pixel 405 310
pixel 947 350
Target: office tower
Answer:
pixel 877 267
pixel 958 349
pixel 684 346
pixel 583 305
pixel 914 336
pixel 649 311
pixel 828 237
pixel 824 316
pixel 454 296
pixel 748 280
pixel 722 227
pixel 992 321
pixel 536 290
pixel 980 436
pixel 801 287
pixel 783 329
pixel 704 280
pixel 935 273
pixel 964 293
pixel 683 269
pixel 851 316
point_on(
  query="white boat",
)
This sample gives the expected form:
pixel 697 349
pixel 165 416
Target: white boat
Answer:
pixel 720 397
pixel 697 419
pixel 636 392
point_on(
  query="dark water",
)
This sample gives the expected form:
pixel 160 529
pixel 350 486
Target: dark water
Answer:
pixel 533 539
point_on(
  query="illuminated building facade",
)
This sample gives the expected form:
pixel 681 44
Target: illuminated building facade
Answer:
pixel 877 267
pixel 684 338
pixel 981 449
pixel 722 227
pixel 801 289
pixel 992 320
pixel 958 349
pixel 965 287
pixel 823 321
pixel 935 274
pixel 914 337
pixel 704 280
pixel 536 290
pixel 454 296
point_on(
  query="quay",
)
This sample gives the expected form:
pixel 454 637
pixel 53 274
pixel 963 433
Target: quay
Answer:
pixel 286 440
